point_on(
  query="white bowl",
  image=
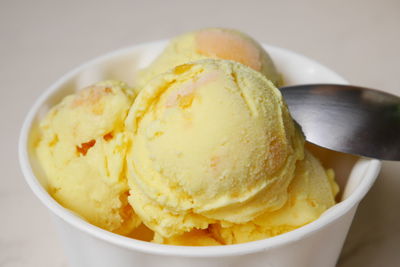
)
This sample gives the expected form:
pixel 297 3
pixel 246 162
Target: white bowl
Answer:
pixel 315 244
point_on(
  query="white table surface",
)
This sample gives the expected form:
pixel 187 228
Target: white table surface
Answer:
pixel 41 40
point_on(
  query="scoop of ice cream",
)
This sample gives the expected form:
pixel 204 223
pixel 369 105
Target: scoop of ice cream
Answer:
pixel 212 140
pixel 82 151
pixel 311 192
pixel 195 237
pixel 212 43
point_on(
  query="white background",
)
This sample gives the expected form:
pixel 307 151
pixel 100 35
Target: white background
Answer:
pixel 41 40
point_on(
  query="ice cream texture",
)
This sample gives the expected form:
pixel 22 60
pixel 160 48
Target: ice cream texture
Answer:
pixel 216 43
pixel 195 237
pixel 213 140
pixel 82 149
pixel 311 192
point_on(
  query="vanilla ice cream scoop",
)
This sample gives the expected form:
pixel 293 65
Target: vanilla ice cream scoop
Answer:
pixel 82 148
pixel 216 43
pixel 211 140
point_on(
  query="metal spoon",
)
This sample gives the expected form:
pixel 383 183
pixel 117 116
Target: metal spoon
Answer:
pixel 349 119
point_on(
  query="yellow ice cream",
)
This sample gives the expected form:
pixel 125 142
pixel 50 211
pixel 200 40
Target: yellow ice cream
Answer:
pixel 212 43
pixel 207 153
pixel 82 151
pixel 211 140
pixel 311 192
pixel 195 237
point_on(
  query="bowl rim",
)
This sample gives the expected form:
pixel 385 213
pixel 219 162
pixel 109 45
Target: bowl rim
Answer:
pixel 73 220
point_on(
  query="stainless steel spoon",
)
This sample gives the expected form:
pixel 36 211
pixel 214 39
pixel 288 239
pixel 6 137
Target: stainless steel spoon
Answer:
pixel 348 119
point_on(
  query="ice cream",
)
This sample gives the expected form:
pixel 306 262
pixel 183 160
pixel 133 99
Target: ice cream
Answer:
pixel 206 154
pixel 311 192
pixel 212 43
pixel 195 237
pixel 211 141
pixel 82 149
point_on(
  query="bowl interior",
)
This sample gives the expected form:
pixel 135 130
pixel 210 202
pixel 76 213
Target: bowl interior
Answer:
pixel 124 64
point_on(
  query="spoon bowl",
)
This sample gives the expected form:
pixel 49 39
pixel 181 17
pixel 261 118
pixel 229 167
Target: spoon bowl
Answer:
pixel 349 119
